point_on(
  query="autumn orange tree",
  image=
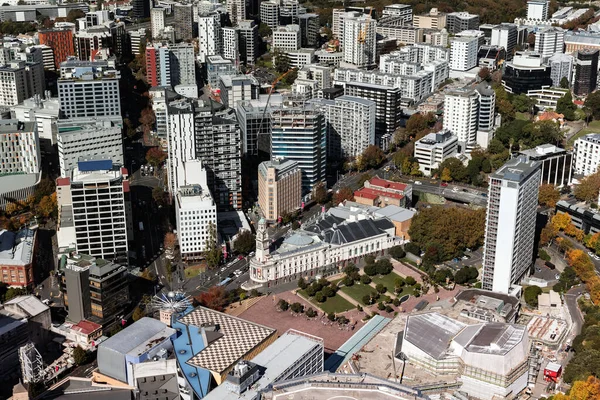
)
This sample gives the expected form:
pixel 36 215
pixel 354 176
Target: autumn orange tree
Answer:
pixel 582 390
pixel 170 240
pixel 561 221
pixel 214 298
pixel 588 188
pixel 155 156
pixel 343 194
pixel 548 195
pixel 586 272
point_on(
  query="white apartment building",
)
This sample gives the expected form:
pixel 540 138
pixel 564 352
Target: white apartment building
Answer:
pixel 433 149
pixel 550 41
pixel 196 212
pixel 350 125
pixel 19 148
pixel 269 13
pixel 236 10
pixel 405 34
pixel 181 146
pixel 231 44
pixel 403 11
pixel 561 66
pixel 463 53
pixel 157 20
pixel 209 36
pixel 95 185
pixel 88 89
pixel 13 84
pixel 538 10
pixel 301 57
pixel 510 224
pixel 318 73
pixel 80 139
pixel 587 158
pixel 238 88
pixel 360 41
pixel 505 35
pixel 286 38
pixel 461 108
pixel 44 113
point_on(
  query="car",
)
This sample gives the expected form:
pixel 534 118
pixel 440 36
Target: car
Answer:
pixel 251 254
pixel 465 257
pixel 444 184
pixel 455 189
pixel 596 257
pixel 591 253
pixel 240 257
pixel 418 183
pixel 484 194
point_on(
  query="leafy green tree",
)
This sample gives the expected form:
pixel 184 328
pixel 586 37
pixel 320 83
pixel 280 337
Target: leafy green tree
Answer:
pixel 370 269
pixel 522 103
pixel 366 299
pixel 565 106
pixel 244 243
pixel 302 283
pixel 412 248
pixel 264 30
pixel 365 279
pixel 496 146
pixel 410 281
pixel 283 305
pixel 592 101
pixel 458 172
pixel 384 266
pixel 79 355
pixel 310 313
pixel 320 297
pixel 564 82
pixel 397 252
pixel 380 288
pixel 531 294
pixel 212 253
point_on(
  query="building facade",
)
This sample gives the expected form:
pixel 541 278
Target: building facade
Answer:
pixel 461 21
pixel 360 42
pixel 587 159
pixel 433 149
pixel 586 72
pixel 538 10
pixel 18 257
pixel 550 41
pixel 183 21
pixel 61 42
pixel 463 53
pixel 279 188
pixel 557 164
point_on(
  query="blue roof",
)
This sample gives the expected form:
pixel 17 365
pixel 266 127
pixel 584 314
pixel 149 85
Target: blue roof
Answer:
pixel 95 165
pixel 188 343
pixel 356 342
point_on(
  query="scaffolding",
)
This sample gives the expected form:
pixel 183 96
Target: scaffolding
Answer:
pixel 32 365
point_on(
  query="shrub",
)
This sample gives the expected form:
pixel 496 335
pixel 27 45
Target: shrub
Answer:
pixel 396 302
pixel 331 317
pixel 384 266
pixel 358 307
pixel 351 268
pixel 310 313
pixel 531 294
pixel 297 308
pixel 311 291
pixel 283 305
pixel 328 291
pixel 410 281
pixel 365 279
pixel 302 283
pixel 369 259
pixel 380 306
pixel 544 255
pixel 366 299
pixel 399 282
pixel 412 248
pixel 370 269
pixel 342 320
pixel 397 252
pixel 389 309
pixel 320 297
pixel 348 281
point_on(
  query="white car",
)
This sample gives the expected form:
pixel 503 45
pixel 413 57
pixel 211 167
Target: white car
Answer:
pixel 596 257
pixel 418 183
pixel 591 253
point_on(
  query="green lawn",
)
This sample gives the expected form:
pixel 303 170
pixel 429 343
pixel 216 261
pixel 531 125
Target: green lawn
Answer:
pixel 357 291
pixel 522 116
pixel 593 127
pixel 335 304
pixel 406 290
pixel 387 280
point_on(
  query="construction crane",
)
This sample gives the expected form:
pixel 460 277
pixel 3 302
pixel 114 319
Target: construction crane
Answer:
pixel 275 82
pixel 362 35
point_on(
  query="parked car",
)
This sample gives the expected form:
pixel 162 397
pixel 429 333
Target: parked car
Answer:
pixel 444 184
pixel 418 183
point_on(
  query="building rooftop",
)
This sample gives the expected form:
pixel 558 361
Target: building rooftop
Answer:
pixel 516 170
pixel 542 151
pixel 86 327
pixel 14 126
pixel 372 193
pixel 16 249
pixel 13 182
pixel 95 170
pixel 139 337
pixel 491 338
pixel 432 332
pixel 383 183
pixel 396 213
pixel 233 338
pixel 30 305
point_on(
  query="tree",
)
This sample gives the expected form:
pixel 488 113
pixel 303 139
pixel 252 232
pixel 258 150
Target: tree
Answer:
pixel 244 243
pixel 214 298
pixel 160 196
pixel 412 248
pixel 47 206
pixel 564 82
pixel 588 187
pixel 384 266
pixel 169 241
pixel 446 175
pixel 370 269
pixel 565 106
pixel 561 221
pixel 297 308
pixel 542 132
pixel 328 291
pixel 302 283
pixel 343 194
pixel 397 252
pixel 319 194
pixel 466 275
pixel 281 61
pixel 582 390
pixel 410 281
pixel 380 288
pixel 522 103
pixel 79 355
pixel 365 279
pixel 212 251
pixel 457 170
pixel 310 313
pixel 366 299
pixel 264 30
pixel 155 156
pixel 372 157
pixel 320 297
pixel 147 119
pixel 592 101
pixel 283 305
pixel 138 313
pixel 416 124
pixel 548 195
pixel 531 294
pixel 484 74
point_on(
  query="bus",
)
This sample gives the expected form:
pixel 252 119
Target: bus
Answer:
pixel 224 282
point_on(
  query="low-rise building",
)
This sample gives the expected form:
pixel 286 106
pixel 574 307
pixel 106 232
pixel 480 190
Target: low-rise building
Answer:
pixel 380 192
pixel 17 257
pixel 279 188
pixel 582 217
pixel 587 157
pixel 557 164
pixel 433 149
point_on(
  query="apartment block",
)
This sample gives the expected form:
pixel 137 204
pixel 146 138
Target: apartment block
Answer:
pixel 461 21
pixel 463 53
pixel 61 42
pixel 433 149
pixel 587 158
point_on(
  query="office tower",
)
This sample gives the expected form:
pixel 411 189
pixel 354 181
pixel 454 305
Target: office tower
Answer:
pixel 43 112
pixel 140 8
pixel 183 65
pixel 538 9
pixel 527 71
pixel 299 133
pixel 279 188
pixel 14 89
pixel 216 67
pixel 254 124
pixel 180 142
pixel 95 289
pixel 158 64
pixel 505 35
pixel 95 96
pixel 137 41
pixel 236 10
pixel 486 119
pixel 195 211
pixel 231 45
pixel 218 146
pixel 309 30
pixel 157 20
pixel 286 38
pixel 93 210
pixel 463 53
pixel 350 125
pixel 269 13
pixel 587 154
pixel 79 139
pixel 184 21
pixel 510 224
pixel 248 41
pixel 47 55
pixel 290 11
pixel 550 41
pixel 586 72
pixel 61 42
pixel 209 36
pixel 461 21
pixel 432 20
pixel 360 41
pixel 461 107
pixel 110 36
pixel 561 66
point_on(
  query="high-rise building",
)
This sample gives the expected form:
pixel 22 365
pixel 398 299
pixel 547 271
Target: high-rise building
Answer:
pixel 236 10
pixel 587 154
pixel 209 36
pixel 248 41
pixel 505 35
pixel 586 72
pixel 290 11
pixel 350 125
pixel 279 188
pixel 463 53
pixel 360 41
pixel 14 90
pixel 299 133
pixel 61 42
pixel 527 71
pixel 157 19
pixel 95 96
pixel 183 65
pixel 137 40
pixel 401 11
pixel 254 123
pixel 110 36
pixel 550 41
pixel 234 89
pixel 180 142
pixel 433 149
pixel 216 67
pixel 286 38
pixel 95 185
pixel 43 112
pixel 269 13
pixel 88 138
pixel 158 64
pixel 557 164
pixel 183 21
pixel 461 21
pixel 195 211
pixel 231 44
pixel 140 8
pixel 510 224
pixel 95 289
pixel 309 30
pixel 538 9
pixel 561 66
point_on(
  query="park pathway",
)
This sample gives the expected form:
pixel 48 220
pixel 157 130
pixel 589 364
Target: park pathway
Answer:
pixel 347 297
